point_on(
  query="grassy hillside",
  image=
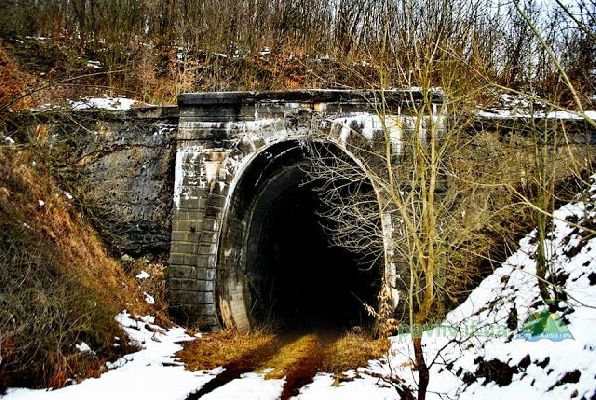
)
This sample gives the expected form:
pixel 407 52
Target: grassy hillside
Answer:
pixel 59 285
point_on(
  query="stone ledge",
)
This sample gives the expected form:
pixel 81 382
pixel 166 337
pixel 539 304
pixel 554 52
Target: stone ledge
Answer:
pixel 201 272
pixel 299 96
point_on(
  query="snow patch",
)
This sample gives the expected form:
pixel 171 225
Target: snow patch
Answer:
pixel 522 114
pixel 362 387
pixel 94 64
pixel 250 385
pixel 150 374
pixel 103 103
pixel 142 275
pixel 84 347
pixel 38 38
pixel 148 298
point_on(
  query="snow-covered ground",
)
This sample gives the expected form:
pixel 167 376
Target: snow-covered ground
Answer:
pixel 96 103
pixel 486 348
pixel 151 373
pixel 479 337
pixel 103 103
pixel 520 107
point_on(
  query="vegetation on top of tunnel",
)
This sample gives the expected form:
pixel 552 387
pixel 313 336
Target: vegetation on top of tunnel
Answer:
pixel 154 50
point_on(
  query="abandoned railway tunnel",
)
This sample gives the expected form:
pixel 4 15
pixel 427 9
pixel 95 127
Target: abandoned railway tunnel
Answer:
pixel 250 246
pixel 275 258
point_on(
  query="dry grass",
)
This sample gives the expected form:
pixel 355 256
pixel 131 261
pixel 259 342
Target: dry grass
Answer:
pixel 154 285
pixel 353 351
pixel 12 80
pixel 303 353
pixel 76 243
pixel 60 286
pixel 285 355
pixel 224 348
pixel 158 76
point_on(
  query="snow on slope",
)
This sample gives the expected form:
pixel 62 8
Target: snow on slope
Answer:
pixel 517 106
pixel 515 114
pixel 484 356
pixel 154 373
pixel 95 103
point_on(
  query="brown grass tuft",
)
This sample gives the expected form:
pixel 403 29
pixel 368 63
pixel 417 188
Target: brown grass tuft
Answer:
pixel 154 285
pixel 353 351
pixel 305 352
pixel 225 347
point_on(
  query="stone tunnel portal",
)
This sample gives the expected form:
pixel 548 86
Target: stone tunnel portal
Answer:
pixel 276 265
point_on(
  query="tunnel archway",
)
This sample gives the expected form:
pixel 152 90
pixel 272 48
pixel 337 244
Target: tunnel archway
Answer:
pixel 276 266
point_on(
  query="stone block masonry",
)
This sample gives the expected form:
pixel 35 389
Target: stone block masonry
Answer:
pixel 219 135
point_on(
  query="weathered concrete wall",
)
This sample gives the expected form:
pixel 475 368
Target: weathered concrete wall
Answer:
pixel 119 165
pixel 220 135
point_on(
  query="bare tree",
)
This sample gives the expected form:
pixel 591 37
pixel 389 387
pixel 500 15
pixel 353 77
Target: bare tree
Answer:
pixel 432 242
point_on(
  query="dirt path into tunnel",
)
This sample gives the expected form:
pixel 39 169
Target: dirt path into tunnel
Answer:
pixel 294 356
pixel 299 359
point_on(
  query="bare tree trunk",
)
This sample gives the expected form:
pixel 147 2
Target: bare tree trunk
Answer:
pixel 423 372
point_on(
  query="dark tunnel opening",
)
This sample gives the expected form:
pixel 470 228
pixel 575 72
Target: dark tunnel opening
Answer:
pixel 296 279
